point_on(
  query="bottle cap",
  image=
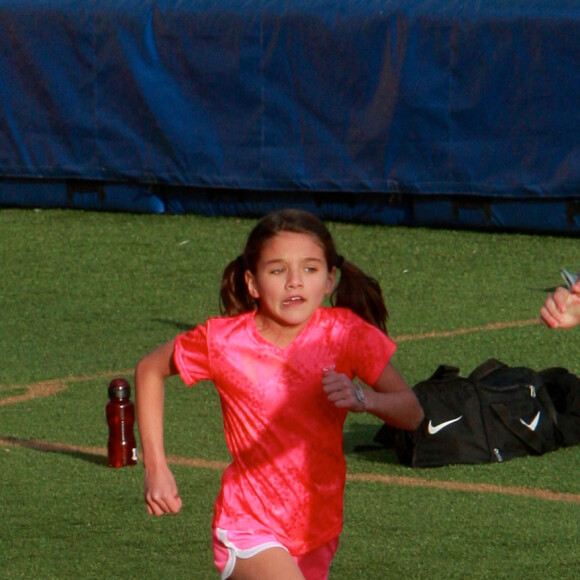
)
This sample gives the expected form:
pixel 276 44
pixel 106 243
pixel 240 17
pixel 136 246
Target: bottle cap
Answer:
pixel 119 389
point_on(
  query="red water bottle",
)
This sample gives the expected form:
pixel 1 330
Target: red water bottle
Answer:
pixel 122 448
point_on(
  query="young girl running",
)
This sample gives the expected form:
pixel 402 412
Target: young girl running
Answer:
pixel 283 366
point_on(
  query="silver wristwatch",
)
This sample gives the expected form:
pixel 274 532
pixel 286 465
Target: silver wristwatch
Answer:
pixel 360 397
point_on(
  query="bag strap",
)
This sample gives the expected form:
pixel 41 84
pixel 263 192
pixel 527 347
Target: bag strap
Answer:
pixel 444 373
pixel 486 368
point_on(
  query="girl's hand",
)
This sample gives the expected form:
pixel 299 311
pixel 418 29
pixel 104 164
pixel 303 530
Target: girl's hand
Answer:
pixel 161 495
pixel 341 391
pixel 561 309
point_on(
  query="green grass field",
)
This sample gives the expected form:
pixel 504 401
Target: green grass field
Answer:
pixel 84 295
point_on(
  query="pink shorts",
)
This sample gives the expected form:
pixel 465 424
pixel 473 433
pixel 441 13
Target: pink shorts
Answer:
pixel 228 546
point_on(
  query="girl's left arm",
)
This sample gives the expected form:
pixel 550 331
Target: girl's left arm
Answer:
pixel 390 398
pixel 393 401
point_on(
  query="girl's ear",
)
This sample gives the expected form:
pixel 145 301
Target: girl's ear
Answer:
pixel 331 281
pixel 251 285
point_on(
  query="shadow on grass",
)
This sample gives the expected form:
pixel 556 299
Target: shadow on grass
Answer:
pixel 359 442
pixel 177 324
pixel 546 290
pixel 94 455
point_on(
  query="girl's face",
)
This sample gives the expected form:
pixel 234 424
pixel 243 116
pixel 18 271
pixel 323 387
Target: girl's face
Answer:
pixel 291 280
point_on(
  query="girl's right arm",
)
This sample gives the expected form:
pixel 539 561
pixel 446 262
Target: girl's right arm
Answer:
pixel 161 495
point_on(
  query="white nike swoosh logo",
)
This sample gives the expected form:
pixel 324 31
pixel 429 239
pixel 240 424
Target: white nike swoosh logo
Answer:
pixel 534 423
pixel 432 429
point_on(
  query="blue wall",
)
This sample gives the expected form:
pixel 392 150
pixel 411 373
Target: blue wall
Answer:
pixel 412 110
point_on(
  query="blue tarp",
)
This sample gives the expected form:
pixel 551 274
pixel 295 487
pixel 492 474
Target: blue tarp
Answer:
pixel 389 96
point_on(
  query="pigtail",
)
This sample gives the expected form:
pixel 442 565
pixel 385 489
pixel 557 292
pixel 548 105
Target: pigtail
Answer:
pixel 360 293
pixel 234 296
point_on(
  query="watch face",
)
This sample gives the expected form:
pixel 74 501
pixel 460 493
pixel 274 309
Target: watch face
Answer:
pixel 360 396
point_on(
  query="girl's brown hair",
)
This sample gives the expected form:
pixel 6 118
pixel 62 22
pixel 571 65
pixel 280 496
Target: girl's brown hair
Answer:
pixel 356 290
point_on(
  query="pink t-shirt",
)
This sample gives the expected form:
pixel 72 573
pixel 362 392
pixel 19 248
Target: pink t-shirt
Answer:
pixel 288 471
